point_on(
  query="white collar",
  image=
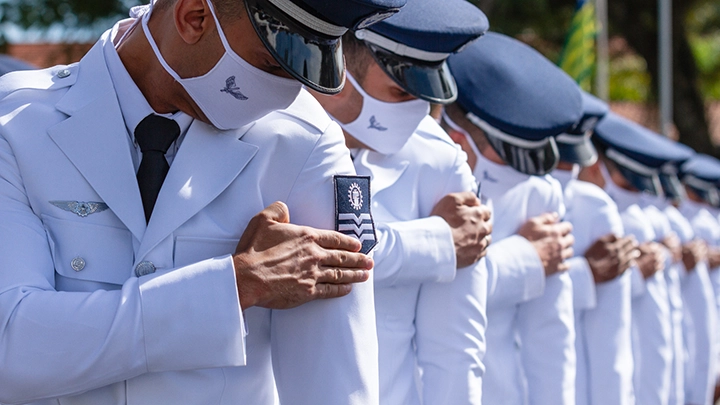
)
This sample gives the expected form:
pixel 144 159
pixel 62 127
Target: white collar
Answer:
pixel 133 104
pixel 496 179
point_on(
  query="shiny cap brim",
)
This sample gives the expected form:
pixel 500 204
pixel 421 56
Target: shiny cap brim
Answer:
pixel 672 187
pixel 641 182
pixel 430 81
pixel 536 161
pixel 582 153
pixel 316 60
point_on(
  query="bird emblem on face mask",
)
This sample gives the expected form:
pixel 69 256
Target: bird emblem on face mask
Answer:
pixel 374 124
pixel 232 89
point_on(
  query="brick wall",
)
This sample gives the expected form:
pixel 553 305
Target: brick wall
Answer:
pixel 46 55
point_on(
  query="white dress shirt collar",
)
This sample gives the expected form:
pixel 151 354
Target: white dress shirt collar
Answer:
pixel 495 179
pixel 133 104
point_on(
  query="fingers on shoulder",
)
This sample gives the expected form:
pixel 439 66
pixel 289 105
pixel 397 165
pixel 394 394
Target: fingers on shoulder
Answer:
pixel 328 290
pixel 277 211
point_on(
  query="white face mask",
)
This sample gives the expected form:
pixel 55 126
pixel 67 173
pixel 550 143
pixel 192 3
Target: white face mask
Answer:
pixel 233 93
pixel 385 127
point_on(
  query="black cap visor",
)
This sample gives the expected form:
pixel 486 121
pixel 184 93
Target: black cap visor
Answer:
pixel 314 59
pixel 672 187
pixel 641 177
pixel 430 81
pixel 580 150
pixel 535 161
pixel 642 182
pixel 707 191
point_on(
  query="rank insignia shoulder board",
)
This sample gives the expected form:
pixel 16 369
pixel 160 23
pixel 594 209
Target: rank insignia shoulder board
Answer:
pixel 352 210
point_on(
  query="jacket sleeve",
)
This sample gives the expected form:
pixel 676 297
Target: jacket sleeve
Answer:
pixel 546 328
pixel 414 252
pixel 516 273
pixel 608 337
pixel 699 299
pixel 584 296
pixel 325 351
pixel 652 341
pixel 423 250
pixel 61 343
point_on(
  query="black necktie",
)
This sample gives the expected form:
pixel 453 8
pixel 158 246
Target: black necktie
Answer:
pixel 154 134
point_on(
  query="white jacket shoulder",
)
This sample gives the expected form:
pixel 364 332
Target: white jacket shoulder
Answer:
pixel 307 109
pixel 53 78
pixel 429 129
pixel 591 196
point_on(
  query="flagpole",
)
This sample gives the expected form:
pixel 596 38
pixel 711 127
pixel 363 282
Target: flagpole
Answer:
pixel 602 81
pixel 665 65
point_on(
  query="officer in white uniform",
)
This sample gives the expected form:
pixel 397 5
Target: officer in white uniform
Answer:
pixel 632 180
pixel 108 296
pixel 430 288
pixel 511 103
pixel 699 173
pixel 690 291
pixel 601 286
pixel 700 176
pixel 662 155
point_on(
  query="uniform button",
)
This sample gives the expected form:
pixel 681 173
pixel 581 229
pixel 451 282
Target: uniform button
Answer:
pixel 77 263
pixel 63 73
pixel 144 268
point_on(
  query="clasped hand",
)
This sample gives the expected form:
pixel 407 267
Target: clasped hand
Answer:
pixel 280 265
pixel 469 222
pixel 553 241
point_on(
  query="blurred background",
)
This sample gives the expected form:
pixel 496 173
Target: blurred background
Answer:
pixel 613 48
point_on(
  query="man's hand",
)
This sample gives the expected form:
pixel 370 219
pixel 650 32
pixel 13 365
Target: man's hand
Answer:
pixel 713 257
pixel 280 265
pixel 552 240
pixel 672 242
pixel 610 256
pixel 693 253
pixel 469 222
pixel 652 258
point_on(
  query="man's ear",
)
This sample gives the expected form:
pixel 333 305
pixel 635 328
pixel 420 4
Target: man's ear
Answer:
pixel 192 19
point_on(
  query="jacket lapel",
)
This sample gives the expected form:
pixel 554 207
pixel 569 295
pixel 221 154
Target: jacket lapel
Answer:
pixel 206 164
pixel 95 140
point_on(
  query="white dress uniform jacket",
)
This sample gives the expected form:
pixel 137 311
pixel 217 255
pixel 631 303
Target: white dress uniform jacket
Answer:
pixel 427 313
pixel 653 206
pixel 603 318
pixel 77 323
pixel 530 335
pixel 701 314
pixel 652 330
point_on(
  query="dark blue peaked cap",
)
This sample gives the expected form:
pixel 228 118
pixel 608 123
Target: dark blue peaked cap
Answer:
pixel 412 45
pixel 515 89
pixel 639 143
pixel 593 110
pixel 575 145
pixel 355 14
pixel 702 174
pixel 442 26
pixel 702 166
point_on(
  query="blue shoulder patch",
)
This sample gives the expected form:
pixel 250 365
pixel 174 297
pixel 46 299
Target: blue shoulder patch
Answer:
pixel 352 210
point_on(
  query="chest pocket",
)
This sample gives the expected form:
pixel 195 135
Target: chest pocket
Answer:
pixel 189 250
pixel 90 252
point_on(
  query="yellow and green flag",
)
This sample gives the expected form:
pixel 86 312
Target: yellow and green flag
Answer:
pixel 578 54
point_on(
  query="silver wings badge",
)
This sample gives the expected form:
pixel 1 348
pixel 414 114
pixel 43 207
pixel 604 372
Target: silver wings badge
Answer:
pixel 80 208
